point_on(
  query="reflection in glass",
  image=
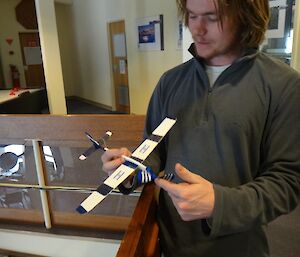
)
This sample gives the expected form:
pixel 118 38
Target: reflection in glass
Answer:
pixel 67 170
pixel 17 163
pixel 55 172
pixel 19 198
pixel 14 198
pixel 12 161
pixel 17 166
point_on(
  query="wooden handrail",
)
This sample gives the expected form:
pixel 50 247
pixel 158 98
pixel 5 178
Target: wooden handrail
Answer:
pixel 141 238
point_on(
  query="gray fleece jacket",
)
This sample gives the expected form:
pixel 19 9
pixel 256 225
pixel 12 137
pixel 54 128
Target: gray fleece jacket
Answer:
pixel 243 135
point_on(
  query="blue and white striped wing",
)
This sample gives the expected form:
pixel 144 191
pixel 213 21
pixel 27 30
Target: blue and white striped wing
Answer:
pixel 115 179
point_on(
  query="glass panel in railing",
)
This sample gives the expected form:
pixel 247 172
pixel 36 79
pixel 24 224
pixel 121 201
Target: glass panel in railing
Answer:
pixel 20 204
pixel 17 163
pixel 18 178
pixel 66 174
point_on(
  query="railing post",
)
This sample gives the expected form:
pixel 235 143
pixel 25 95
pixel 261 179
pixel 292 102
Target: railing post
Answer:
pixel 38 158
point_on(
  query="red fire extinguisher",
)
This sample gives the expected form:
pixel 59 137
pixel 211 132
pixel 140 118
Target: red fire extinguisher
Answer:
pixel 15 76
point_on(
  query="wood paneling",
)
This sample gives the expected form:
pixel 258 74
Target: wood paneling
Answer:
pixel 127 129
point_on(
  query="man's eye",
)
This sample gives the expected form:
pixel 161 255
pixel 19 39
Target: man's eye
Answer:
pixel 192 16
pixel 212 18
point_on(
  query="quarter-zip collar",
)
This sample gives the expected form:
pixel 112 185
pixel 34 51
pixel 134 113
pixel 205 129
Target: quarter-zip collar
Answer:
pixel 249 54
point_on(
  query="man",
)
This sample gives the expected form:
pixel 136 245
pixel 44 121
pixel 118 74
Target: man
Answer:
pixel 235 145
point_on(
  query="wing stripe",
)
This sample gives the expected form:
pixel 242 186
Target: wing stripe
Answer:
pixel 89 151
pixel 137 159
pixel 155 138
pixel 104 189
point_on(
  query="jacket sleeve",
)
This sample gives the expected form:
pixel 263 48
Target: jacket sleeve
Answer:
pixel 276 190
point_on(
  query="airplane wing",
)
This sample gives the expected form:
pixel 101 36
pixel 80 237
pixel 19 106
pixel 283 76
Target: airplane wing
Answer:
pixel 96 145
pixel 88 152
pixel 127 168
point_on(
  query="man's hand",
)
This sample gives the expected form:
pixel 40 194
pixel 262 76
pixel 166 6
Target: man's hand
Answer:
pixel 194 198
pixel 112 159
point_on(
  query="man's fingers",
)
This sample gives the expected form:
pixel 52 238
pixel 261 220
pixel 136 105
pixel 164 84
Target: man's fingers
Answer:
pixel 112 154
pixel 111 166
pixel 165 184
pixel 186 175
pixel 170 187
pixel 112 159
pixel 125 151
pixel 176 190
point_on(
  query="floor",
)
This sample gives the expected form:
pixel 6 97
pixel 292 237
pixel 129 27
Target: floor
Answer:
pixel 75 106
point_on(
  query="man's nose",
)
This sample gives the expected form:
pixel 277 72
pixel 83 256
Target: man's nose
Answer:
pixel 200 27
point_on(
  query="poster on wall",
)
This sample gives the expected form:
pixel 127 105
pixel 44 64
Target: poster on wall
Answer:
pixel 150 33
pixel 277 18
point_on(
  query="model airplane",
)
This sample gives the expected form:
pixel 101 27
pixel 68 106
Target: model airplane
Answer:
pixel 127 168
pixel 100 144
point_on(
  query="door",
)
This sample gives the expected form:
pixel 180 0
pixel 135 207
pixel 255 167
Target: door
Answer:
pixel 32 60
pixel 119 65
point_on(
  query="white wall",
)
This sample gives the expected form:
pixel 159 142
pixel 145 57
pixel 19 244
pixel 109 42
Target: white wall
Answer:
pixel 90 59
pixel 93 79
pixel 145 68
pixel 296 41
pixel 45 244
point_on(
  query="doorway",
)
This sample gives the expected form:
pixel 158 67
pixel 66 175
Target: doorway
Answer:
pixel 118 55
pixel 32 60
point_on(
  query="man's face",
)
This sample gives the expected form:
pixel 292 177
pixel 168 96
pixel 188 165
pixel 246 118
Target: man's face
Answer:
pixel 217 46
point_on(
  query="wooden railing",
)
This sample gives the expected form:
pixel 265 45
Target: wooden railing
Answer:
pixel 140 228
pixel 141 238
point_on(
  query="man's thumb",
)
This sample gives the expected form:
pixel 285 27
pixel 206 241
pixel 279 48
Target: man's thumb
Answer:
pixel 186 175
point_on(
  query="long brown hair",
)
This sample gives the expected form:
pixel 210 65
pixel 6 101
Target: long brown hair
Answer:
pixel 251 18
